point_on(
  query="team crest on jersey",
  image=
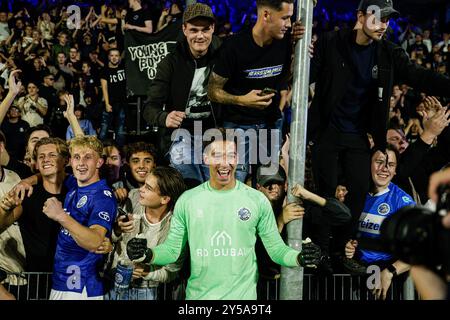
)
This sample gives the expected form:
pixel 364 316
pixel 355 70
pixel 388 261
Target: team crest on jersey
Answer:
pixel 384 209
pixel 104 215
pixel 244 214
pixel 82 202
pixel 107 193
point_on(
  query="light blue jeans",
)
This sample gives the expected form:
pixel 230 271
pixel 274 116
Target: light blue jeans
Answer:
pixel 253 152
pixel 132 294
pixel 187 158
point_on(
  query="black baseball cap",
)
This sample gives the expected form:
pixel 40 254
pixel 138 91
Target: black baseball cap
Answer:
pixel 278 176
pixel 386 7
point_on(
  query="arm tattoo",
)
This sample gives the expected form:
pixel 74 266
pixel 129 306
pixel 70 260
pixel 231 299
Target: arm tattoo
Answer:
pixel 216 92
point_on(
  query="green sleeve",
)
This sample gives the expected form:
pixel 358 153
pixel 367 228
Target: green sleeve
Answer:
pixel 170 250
pixel 278 251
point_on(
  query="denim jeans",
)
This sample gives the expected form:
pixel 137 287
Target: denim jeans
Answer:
pixel 257 151
pixel 132 294
pixel 187 158
pixel 116 117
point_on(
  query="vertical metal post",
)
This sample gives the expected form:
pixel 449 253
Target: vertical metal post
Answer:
pixel 408 289
pixel 138 114
pixel 291 287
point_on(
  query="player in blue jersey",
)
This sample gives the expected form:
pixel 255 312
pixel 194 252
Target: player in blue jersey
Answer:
pixel 383 200
pixel 86 218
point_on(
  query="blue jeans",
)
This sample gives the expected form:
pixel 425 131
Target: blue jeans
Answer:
pixel 255 152
pixel 187 158
pixel 132 294
pixel 116 117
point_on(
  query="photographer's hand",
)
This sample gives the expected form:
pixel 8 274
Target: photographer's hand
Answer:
pixel 438 178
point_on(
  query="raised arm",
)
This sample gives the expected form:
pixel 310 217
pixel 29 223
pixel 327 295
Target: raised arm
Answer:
pixel 14 88
pixel 70 115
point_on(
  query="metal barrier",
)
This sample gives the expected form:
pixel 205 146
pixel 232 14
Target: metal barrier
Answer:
pixel 338 287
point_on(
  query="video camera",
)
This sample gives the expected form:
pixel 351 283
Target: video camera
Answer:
pixel 416 235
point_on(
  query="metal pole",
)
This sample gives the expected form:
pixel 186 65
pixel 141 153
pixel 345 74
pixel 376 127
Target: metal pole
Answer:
pixel 291 286
pixel 408 289
pixel 138 112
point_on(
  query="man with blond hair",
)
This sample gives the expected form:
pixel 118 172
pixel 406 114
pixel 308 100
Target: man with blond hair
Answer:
pixel 86 218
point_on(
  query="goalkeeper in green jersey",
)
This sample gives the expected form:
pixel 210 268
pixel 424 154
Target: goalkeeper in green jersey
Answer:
pixel 220 219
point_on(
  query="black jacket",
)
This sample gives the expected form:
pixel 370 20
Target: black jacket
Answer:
pixel 170 89
pixel 332 69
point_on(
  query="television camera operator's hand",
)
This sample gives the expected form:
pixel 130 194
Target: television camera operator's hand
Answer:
pixel 137 250
pixel 309 256
pixel 437 179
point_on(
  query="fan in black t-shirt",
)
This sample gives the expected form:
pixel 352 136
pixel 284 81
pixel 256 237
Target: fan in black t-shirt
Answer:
pixel 138 19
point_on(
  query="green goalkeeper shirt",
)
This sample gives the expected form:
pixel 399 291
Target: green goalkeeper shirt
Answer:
pixel 221 227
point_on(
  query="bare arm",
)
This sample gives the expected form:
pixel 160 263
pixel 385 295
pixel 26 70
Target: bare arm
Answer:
pixel 253 99
pixel 216 92
pixel 89 238
pixel 70 116
pixel 12 93
pixel 109 20
pixel 10 210
pixel 104 84
pixel 147 29
pixel 301 192
pixel 429 285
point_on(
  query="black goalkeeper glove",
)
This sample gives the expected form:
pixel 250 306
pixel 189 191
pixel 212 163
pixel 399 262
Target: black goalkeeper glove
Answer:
pixel 137 250
pixel 309 256
pixel 3 275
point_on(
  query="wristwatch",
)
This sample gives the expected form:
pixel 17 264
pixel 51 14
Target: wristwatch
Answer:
pixel 392 270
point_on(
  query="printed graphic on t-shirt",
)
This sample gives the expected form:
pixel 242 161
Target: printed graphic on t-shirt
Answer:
pixel 199 106
pixel 267 72
pixel 118 77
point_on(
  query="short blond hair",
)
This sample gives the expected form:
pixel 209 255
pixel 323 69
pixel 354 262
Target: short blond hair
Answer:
pixel 61 147
pixel 90 142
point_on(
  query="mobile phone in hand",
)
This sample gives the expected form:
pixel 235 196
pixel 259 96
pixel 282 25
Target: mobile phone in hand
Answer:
pixel 123 213
pixel 267 91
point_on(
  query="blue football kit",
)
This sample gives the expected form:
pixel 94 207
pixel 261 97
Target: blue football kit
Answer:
pixel 378 207
pixel 76 268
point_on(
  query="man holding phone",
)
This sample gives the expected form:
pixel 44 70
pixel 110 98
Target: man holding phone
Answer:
pixel 250 62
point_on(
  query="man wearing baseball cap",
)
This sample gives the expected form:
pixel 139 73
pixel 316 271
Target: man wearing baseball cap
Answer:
pixel 355 71
pixel 177 96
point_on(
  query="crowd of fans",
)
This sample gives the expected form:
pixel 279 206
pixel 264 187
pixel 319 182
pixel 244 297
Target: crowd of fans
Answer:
pixel 72 82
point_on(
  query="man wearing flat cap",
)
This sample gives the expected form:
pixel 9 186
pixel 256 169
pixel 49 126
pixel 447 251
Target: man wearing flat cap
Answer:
pixel 177 98
pixel 354 72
